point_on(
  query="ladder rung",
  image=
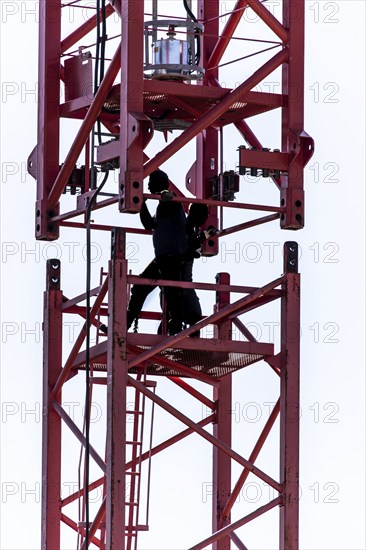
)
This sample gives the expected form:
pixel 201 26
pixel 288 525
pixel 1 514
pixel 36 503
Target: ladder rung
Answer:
pixel 133 473
pixel 133 443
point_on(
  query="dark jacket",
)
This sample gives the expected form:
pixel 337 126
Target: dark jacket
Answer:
pixel 169 227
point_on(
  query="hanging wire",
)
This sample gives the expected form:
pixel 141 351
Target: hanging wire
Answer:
pixel 98 77
pixel 197 33
pixel 87 352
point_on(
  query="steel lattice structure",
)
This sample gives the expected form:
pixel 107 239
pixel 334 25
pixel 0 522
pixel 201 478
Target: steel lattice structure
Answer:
pixel 131 106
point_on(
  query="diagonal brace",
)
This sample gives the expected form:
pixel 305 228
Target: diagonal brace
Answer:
pixel 213 440
pixel 231 309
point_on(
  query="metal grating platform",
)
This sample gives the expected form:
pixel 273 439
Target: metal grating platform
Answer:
pixel 175 105
pixel 212 363
pixel 174 111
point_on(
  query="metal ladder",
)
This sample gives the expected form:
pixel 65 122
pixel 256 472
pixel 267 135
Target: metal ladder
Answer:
pixel 135 433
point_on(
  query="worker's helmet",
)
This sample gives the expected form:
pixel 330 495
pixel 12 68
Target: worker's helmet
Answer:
pixel 158 182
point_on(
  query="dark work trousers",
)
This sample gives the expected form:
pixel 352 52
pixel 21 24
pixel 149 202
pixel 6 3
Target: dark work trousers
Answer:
pixel 191 306
pixel 139 293
pixel 192 311
pixel 170 267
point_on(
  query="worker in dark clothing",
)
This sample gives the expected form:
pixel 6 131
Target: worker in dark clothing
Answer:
pixel 197 216
pixel 170 244
pixel 168 227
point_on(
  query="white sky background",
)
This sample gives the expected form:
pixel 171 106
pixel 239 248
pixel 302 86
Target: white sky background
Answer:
pixel 332 267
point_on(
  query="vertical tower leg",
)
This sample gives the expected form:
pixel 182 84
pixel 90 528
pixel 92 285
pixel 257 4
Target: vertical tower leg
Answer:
pixel 222 430
pixel 116 395
pixel 207 140
pixel 292 185
pixel 133 126
pixel 51 428
pixel 289 402
pixel 47 158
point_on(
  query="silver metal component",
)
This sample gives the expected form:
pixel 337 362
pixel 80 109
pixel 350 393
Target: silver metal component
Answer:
pixel 171 58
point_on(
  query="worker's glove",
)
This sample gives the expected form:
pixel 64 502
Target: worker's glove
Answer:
pixel 166 195
pixel 210 231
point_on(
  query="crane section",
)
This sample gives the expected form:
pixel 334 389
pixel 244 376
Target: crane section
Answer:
pixel 125 86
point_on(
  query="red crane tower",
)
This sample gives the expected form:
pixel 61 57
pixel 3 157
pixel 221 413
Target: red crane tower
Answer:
pixel 163 76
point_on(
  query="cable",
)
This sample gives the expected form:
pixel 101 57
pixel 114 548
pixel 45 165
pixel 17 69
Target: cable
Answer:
pixel 198 31
pixel 87 353
pixel 187 8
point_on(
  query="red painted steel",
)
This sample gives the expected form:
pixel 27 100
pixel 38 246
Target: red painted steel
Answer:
pixel 266 16
pixel 51 422
pixel 213 114
pixel 116 397
pixel 222 429
pixel 294 139
pixel 290 413
pixel 226 35
pixel 48 138
pixel 83 30
pixel 239 523
pixel 212 439
pixel 204 108
pixel 136 125
pixel 257 448
pixel 85 129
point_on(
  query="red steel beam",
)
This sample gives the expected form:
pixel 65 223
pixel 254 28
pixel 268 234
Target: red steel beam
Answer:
pixel 253 456
pixel 227 33
pixel 132 117
pixel 227 530
pixel 85 129
pixel 83 30
pixel 205 344
pixel 183 200
pixel 51 422
pixel 155 450
pixel 192 391
pixel 294 139
pixel 48 139
pixel 78 494
pixel 246 225
pixel 238 543
pixel 247 133
pixel 212 319
pixel 78 434
pixel 269 19
pixel 68 365
pixel 99 517
pixel 116 395
pixel 213 114
pixel 68 303
pixel 222 429
pixel 290 407
pixel 210 438
pixel 136 280
pixel 70 523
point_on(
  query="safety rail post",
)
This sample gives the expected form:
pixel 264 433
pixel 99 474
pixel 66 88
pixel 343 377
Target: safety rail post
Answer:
pixel 46 157
pixel 116 394
pixel 290 400
pixel 51 421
